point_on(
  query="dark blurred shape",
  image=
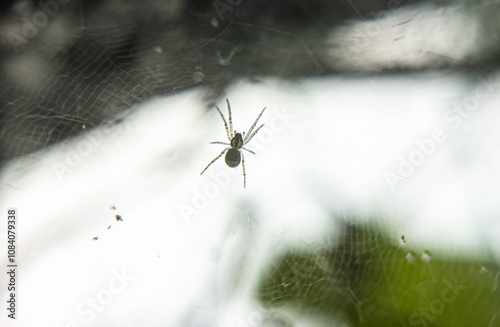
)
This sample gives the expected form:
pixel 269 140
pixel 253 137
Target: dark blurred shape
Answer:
pixel 71 67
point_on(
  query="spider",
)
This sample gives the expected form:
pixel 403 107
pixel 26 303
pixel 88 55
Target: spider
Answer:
pixel 236 142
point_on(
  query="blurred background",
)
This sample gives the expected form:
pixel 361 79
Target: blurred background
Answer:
pixel 371 200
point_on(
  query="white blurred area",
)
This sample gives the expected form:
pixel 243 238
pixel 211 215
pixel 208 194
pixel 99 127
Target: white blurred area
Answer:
pixel 415 36
pixel 190 247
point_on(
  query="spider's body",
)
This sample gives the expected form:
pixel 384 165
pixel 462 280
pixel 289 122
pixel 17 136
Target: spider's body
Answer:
pixel 236 142
pixel 233 157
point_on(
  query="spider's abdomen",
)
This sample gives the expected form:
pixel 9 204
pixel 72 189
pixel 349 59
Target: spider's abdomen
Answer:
pixel 233 157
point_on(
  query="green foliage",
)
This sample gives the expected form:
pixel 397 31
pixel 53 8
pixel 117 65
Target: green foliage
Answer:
pixel 366 279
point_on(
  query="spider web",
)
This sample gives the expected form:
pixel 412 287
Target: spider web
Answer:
pixel 88 63
pixel 365 277
pixel 93 62
pixel 54 88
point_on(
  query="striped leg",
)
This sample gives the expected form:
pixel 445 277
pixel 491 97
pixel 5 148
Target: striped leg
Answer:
pixel 211 162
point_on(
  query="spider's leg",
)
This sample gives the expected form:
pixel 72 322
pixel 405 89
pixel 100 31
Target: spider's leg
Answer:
pixel 248 150
pixel 220 143
pixel 253 126
pixel 244 175
pixel 225 124
pixel 211 162
pixel 230 119
pixel 252 135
